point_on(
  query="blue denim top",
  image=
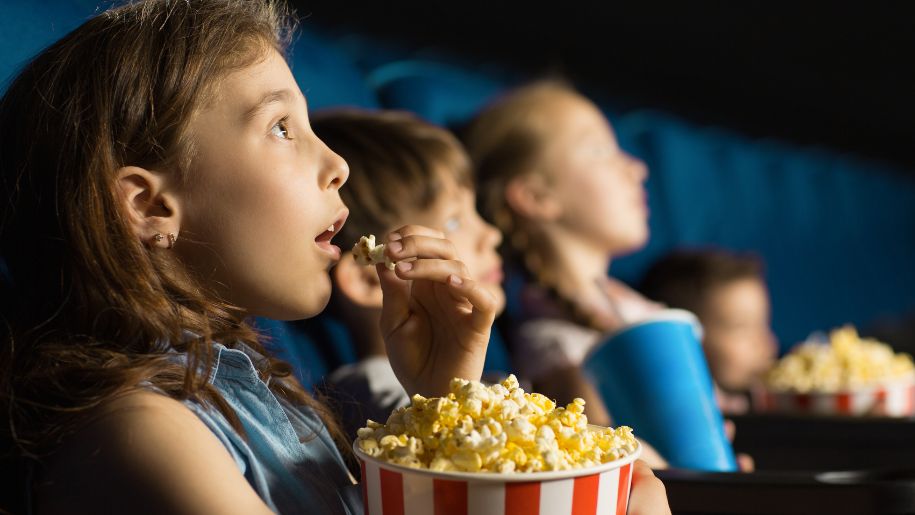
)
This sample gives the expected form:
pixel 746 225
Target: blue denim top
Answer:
pixel 289 457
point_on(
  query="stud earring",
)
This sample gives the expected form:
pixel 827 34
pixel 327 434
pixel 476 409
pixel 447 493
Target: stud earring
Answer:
pixel 158 237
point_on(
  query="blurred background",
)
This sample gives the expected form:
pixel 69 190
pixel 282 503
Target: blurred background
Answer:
pixel 778 128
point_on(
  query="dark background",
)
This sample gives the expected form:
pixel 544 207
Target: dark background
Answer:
pixel 839 75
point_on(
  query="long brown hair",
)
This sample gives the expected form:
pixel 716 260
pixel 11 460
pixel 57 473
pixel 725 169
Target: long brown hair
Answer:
pixel 506 141
pixel 88 310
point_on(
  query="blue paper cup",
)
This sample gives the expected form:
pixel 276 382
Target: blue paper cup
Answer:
pixel 654 378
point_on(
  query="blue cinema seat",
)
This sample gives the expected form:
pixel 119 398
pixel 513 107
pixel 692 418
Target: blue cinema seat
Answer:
pixel 326 75
pixel 27 27
pixel 440 93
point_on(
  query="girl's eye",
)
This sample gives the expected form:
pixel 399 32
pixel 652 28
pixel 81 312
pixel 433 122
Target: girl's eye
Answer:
pixel 281 129
pixel 452 224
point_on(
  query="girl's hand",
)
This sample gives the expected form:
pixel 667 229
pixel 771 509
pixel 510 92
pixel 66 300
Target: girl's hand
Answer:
pixel 434 318
pixel 649 496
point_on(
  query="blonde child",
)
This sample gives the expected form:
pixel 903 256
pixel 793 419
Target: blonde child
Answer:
pixel 567 199
pixel 161 183
pixel 728 293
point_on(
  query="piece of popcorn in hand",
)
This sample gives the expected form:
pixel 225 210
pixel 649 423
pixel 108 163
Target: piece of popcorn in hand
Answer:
pixel 366 252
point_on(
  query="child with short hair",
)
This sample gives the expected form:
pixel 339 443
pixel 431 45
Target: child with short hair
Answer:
pixel 401 169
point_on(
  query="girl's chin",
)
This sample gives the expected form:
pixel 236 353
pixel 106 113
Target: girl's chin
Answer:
pixel 630 243
pixel 317 296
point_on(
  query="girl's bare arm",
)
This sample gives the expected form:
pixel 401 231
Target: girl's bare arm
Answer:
pixel 145 453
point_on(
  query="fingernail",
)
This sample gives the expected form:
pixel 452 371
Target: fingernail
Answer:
pixel 395 246
pixel 455 280
pixel 405 266
pixel 394 236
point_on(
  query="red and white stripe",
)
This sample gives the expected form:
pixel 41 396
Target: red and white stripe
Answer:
pixel 397 492
pixel 893 400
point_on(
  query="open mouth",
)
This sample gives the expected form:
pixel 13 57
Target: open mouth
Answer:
pixel 323 240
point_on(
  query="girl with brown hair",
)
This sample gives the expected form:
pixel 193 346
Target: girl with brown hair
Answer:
pixel 161 184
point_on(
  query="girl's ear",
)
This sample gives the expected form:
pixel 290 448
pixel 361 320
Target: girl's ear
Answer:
pixel 152 210
pixel 531 197
pixel 359 284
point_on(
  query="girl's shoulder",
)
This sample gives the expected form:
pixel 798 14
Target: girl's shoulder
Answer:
pixel 143 452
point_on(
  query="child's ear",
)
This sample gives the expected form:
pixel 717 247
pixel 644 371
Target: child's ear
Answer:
pixel 359 284
pixel 152 210
pixel 531 197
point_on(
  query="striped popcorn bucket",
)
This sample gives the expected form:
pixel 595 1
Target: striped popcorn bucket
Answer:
pixel 389 489
pixel 893 399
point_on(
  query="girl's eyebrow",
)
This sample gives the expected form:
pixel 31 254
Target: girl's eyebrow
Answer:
pixel 271 97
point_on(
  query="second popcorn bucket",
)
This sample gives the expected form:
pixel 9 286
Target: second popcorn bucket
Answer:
pixel 842 374
pixel 494 451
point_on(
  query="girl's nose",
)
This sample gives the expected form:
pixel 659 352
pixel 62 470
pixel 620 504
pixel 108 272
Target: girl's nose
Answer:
pixel 638 169
pixel 335 171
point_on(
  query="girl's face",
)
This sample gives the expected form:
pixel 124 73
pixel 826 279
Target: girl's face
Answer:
pixel 599 187
pixel 475 241
pixel 262 197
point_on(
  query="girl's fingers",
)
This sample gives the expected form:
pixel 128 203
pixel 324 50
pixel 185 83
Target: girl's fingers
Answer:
pixel 419 246
pixel 649 496
pixel 395 309
pixel 424 254
pixel 482 301
pixel 436 270
pixel 745 462
pixel 414 230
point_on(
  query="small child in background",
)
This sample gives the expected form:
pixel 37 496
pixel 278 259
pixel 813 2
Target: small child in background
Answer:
pixel 402 169
pixel 728 293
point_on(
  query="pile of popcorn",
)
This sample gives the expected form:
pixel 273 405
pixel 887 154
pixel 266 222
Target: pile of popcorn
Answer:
pixel 845 362
pixel 493 429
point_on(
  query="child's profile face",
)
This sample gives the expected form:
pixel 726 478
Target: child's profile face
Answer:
pixel 739 342
pixel 599 186
pixel 261 194
pixel 476 242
